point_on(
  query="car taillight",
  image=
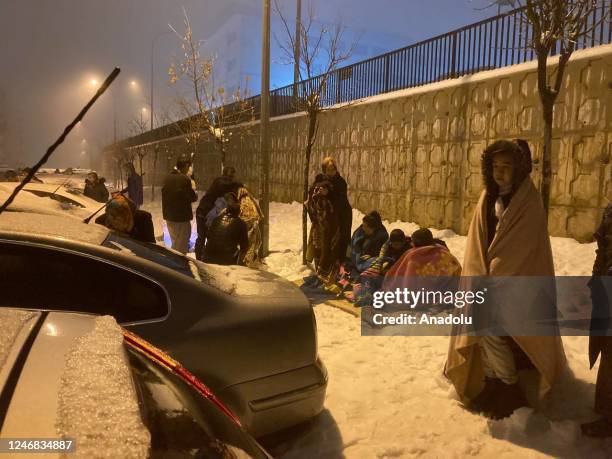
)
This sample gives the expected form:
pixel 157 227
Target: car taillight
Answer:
pixel 167 361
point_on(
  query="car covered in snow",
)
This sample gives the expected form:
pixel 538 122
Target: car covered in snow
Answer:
pixel 78 382
pixel 250 335
pixel 68 199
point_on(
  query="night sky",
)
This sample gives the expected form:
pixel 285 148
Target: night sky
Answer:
pixel 51 49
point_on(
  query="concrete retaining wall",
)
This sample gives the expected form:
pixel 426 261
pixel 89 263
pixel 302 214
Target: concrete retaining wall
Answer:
pixel 414 154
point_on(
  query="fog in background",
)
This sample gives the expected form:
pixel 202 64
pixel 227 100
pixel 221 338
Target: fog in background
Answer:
pixel 52 49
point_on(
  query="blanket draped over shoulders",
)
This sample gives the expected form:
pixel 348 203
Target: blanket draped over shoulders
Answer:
pixel 521 247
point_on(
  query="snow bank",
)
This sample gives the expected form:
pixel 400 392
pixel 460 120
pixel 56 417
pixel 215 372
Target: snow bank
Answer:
pixel 97 402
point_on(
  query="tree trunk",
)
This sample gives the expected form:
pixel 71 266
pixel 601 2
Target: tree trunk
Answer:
pixel 312 124
pixel 547 110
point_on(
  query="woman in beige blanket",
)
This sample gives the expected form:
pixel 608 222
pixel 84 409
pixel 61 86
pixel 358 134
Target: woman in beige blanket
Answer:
pixel 507 237
pixel 251 214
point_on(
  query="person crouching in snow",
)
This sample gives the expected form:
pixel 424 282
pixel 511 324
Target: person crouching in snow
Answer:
pixel 429 265
pixel 122 216
pixel 325 232
pixel 227 240
pixel 372 278
pixel 366 243
pixel 601 293
pixel 507 237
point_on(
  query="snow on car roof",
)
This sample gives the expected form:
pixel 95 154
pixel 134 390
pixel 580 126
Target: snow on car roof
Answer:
pixel 11 323
pixel 52 225
pixel 97 401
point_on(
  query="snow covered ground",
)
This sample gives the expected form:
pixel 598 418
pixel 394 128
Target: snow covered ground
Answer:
pixel 387 397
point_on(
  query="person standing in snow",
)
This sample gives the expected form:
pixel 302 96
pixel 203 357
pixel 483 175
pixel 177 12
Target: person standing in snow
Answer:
pixel 177 196
pixel 251 214
pixel 601 294
pixel 227 240
pixel 507 237
pixel 339 197
pixel 220 186
pixel 324 233
pixel 134 185
pixel 95 188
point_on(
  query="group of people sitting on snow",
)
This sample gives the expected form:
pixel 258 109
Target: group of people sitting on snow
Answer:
pixel 371 259
pixel 507 238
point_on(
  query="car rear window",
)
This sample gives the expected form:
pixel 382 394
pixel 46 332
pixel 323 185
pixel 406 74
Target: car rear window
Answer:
pixel 39 277
pixel 151 252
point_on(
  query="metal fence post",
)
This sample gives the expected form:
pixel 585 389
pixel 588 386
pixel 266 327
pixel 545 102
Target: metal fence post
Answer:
pixel 454 56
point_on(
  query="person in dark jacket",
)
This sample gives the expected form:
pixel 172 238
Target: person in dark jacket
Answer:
pixel 601 294
pixel 134 185
pixel 95 188
pixel 222 185
pixel 339 198
pixel 122 216
pixel 366 243
pixel 177 196
pixel 227 240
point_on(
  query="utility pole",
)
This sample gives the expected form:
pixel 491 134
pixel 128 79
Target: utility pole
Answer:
pixel 264 123
pixel 296 52
pixel 152 92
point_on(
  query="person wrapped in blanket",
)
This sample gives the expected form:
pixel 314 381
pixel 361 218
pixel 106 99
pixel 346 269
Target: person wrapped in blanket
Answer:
pixel 251 214
pixel 371 279
pixel 324 235
pixel 429 264
pixel 366 243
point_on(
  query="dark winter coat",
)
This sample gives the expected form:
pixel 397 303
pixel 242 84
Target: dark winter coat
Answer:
pixel 96 191
pixel 602 304
pixel 342 207
pixel 134 189
pixel 219 187
pixel 177 196
pixel 227 240
pixel 143 226
pixel 391 254
pixel 365 249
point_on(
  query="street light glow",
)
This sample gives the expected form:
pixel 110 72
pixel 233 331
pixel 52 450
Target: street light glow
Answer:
pixel 94 82
pixel 133 83
pixel 144 110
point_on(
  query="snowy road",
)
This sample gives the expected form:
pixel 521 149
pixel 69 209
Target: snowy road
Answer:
pixel 387 397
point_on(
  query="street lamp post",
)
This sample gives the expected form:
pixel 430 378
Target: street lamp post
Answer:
pixel 153 69
pixel 152 109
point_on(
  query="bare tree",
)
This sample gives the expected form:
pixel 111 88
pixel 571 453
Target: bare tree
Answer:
pixel 137 126
pixel 318 50
pixel 204 106
pixel 552 22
